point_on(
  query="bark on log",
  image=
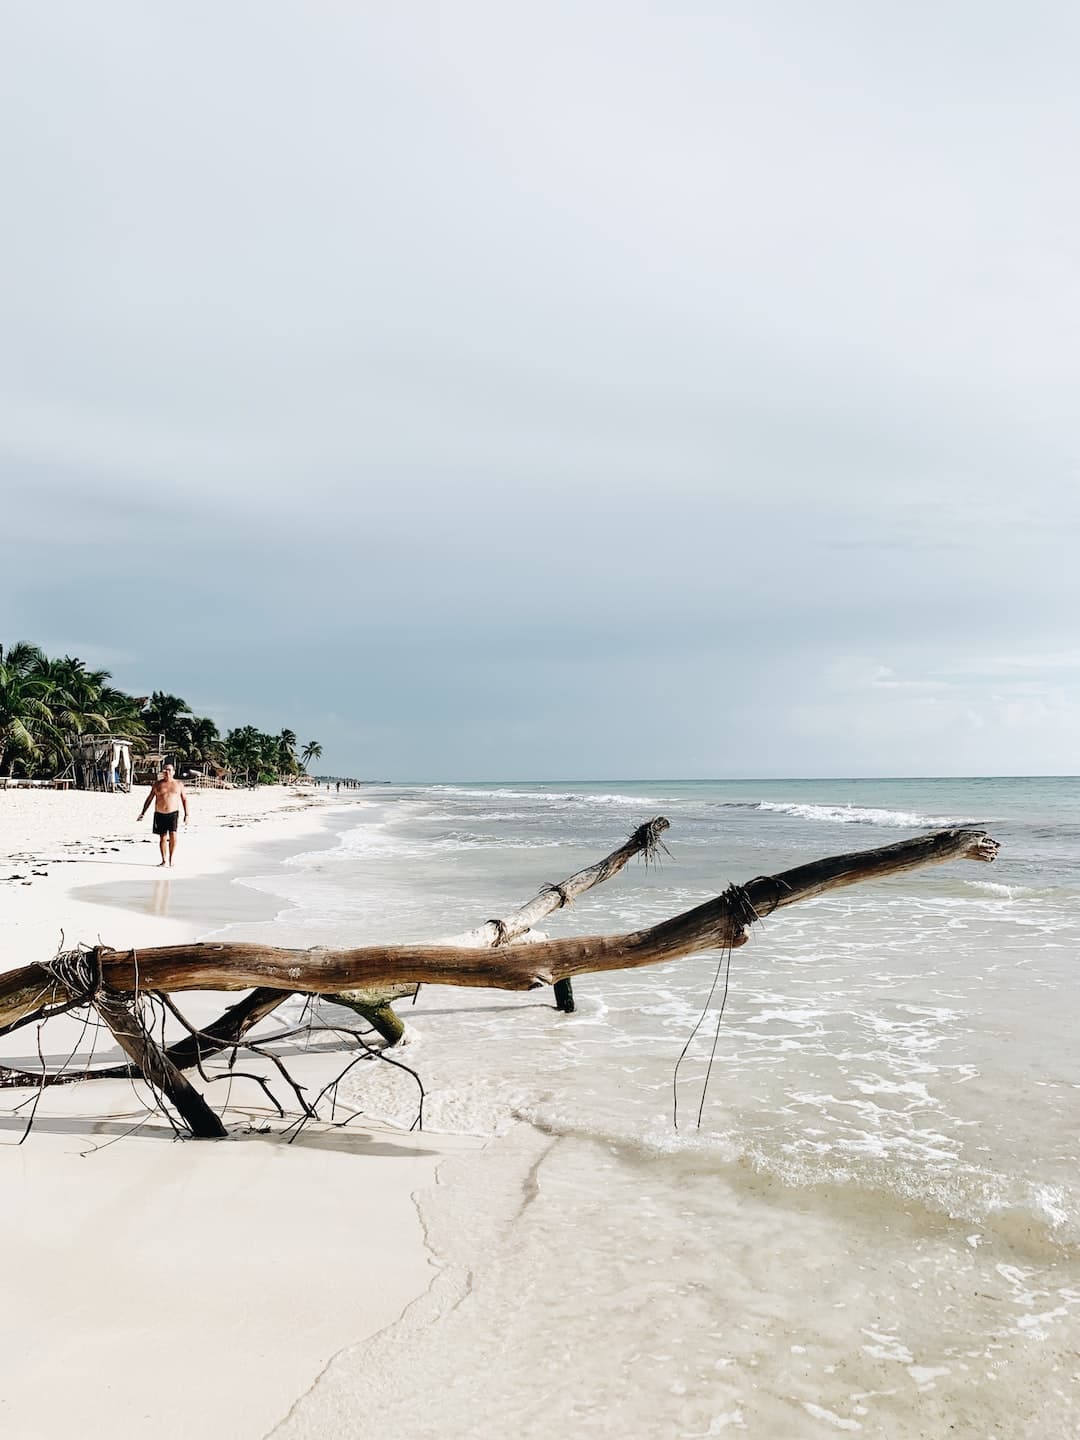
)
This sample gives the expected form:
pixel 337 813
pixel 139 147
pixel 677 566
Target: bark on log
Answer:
pixel 720 921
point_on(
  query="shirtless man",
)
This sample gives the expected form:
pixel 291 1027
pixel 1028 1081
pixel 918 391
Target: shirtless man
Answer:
pixel 168 794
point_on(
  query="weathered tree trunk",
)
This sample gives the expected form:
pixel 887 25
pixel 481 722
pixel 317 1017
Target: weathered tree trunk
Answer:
pixel 158 1070
pixel 104 978
pixel 32 990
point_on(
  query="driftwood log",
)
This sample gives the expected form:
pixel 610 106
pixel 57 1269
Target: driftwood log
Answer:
pixel 34 992
pixel 372 1003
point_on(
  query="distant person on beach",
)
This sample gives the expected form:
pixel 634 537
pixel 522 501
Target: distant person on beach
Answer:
pixel 168 795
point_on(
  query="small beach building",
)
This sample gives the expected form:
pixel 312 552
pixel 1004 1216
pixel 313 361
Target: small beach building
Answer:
pixel 101 762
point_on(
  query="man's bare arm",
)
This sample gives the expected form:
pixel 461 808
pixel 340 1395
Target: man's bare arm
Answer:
pixel 147 802
pixel 183 800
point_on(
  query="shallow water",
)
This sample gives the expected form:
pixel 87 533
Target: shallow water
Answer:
pixel 875 1226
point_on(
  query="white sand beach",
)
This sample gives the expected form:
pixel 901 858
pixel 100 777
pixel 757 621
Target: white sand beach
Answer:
pixel 162 1287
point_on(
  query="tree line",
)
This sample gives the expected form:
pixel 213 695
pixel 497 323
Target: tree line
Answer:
pixel 45 702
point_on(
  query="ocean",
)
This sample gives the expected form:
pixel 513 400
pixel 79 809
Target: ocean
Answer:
pixel 852 1205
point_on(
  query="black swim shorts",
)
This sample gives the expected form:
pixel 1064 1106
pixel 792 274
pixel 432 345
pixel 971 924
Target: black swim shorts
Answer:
pixel 166 824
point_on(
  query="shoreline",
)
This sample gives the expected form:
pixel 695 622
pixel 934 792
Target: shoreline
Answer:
pixel 64 855
pixel 287 1253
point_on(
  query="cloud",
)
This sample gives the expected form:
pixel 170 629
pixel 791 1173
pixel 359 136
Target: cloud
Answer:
pixel 468 369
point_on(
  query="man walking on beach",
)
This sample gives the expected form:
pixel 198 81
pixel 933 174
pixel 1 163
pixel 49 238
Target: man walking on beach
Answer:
pixel 168 794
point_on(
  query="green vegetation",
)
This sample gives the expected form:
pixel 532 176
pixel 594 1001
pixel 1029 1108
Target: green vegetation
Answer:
pixel 44 703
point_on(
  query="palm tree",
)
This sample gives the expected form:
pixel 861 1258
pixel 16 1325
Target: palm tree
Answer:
pixel 166 714
pixel 81 688
pixel 123 712
pixel 286 758
pixel 26 719
pixel 270 758
pixel 244 748
pixel 74 696
pixel 170 716
pixel 45 702
pixel 204 740
pixel 312 751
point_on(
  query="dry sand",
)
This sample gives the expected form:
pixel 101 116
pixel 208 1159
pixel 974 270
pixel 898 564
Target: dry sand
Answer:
pixel 178 1288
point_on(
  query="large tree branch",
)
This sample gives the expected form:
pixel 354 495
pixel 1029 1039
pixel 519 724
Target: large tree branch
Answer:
pixel 372 1003
pixel 721 921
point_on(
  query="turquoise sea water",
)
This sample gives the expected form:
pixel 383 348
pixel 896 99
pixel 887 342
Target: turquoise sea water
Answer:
pixel 876 1226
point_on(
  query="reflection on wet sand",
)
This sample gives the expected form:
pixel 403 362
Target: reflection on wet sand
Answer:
pixel 207 902
pixel 159 901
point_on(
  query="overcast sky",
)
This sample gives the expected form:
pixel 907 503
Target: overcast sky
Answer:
pixel 554 390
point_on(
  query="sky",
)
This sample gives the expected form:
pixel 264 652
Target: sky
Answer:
pixel 553 390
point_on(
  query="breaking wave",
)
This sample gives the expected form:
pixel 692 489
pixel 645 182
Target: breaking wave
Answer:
pixel 854 814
